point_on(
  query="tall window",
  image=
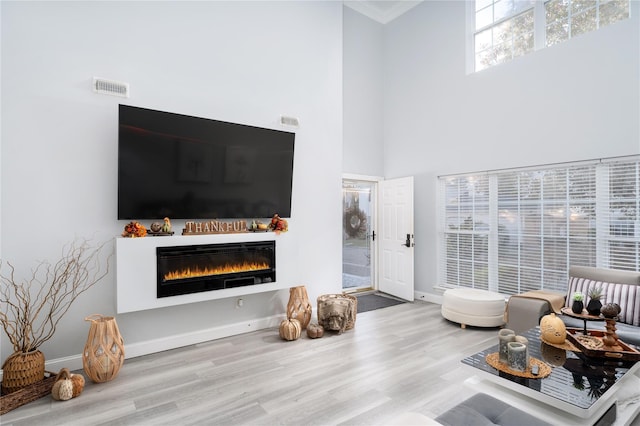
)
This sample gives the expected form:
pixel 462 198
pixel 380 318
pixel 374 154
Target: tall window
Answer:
pixel 505 29
pixel 569 18
pixel 517 230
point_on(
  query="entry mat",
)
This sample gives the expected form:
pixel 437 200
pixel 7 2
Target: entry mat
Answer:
pixel 373 301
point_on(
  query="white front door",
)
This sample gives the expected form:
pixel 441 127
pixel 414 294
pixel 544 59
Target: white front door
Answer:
pixel 396 237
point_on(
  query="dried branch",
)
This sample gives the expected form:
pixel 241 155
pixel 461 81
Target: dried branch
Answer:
pixel 30 310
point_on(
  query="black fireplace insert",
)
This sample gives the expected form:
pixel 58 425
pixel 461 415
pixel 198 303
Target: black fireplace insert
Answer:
pixel 197 268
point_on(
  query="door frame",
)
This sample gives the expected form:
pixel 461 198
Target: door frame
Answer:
pixel 375 180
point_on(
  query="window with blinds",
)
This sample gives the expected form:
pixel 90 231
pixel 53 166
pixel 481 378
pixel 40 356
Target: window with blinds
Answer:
pixel 517 230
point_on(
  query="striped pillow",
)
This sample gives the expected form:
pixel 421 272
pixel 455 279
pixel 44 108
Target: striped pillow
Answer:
pixel 625 295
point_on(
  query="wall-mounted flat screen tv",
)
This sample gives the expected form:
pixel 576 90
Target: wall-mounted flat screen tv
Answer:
pixel 185 167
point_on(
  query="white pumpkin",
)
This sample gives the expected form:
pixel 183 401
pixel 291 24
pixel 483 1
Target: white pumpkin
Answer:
pixel 67 385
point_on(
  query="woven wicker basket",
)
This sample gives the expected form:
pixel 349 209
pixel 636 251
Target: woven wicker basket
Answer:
pixel 27 394
pixel 103 353
pixel 352 319
pixel 324 305
pixel 22 369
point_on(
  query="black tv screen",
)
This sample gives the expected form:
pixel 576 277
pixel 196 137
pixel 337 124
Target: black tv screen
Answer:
pixel 185 167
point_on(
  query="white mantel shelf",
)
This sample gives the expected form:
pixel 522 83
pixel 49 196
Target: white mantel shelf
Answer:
pixel 136 276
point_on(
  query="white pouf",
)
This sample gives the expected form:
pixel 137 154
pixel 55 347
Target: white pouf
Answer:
pixel 471 306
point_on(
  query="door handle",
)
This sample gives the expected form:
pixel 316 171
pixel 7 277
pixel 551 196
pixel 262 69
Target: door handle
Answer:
pixel 407 243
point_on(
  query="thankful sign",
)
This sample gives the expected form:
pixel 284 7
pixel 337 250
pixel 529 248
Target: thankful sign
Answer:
pixel 214 227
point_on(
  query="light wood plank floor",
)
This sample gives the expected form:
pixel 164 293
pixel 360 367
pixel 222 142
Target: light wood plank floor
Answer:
pixel 400 359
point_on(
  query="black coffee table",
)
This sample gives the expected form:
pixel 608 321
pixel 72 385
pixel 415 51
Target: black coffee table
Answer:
pixel 581 386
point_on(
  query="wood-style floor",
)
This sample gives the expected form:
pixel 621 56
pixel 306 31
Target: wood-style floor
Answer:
pixel 400 359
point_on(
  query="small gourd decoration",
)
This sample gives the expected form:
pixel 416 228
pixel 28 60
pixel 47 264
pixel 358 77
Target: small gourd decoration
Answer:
pixel 315 331
pixel 290 329
pixel 67 385
pixel 553 329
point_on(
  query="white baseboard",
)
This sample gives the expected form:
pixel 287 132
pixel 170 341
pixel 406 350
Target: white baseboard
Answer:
pixel 133 350
pixel 428 297
pixel 74 362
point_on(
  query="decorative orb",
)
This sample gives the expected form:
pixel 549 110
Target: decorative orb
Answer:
pixel 610 310
pixel 553 329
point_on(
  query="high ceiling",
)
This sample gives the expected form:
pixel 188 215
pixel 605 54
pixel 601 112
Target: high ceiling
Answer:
pixel 382 11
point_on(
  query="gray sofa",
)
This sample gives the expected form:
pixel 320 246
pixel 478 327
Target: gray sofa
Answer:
pixel 484 410
pixel 478 410
pixel 621 287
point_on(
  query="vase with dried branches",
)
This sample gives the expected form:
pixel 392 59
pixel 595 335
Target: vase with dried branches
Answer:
pixel 31 308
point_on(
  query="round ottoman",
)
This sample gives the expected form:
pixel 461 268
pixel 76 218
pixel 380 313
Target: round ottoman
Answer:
pixel 471 306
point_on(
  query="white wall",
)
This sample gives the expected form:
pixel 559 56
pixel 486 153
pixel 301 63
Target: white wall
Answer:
pixel 576 100
pixel 245 62
pixel 363 95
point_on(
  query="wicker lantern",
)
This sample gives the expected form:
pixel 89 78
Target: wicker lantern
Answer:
pixel 103 354
pixel 299 306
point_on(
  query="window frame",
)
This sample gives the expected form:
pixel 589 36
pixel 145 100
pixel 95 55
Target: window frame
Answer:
pixel 539 28
pixel 590 197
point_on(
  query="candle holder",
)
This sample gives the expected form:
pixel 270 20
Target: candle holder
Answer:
pixel 525 342
pixel 505 336
pixel 517 356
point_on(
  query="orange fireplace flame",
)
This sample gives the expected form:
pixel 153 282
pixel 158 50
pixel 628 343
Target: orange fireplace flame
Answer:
pixel 215 270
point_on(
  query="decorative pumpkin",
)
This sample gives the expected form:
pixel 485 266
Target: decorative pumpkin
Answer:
pixel 278 225
pixel 553 329
pixel 67 385
pixel 315 331
pixel 62 390
pixel 78 384
pixel 290 329
pixel 134 229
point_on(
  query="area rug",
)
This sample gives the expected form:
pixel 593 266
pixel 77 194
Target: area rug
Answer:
pixel 372 301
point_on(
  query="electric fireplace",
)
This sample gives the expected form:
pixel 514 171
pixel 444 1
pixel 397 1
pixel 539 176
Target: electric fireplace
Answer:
pixel 198 268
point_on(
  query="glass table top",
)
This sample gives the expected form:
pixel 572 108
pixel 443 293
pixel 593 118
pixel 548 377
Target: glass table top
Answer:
pixel 574 379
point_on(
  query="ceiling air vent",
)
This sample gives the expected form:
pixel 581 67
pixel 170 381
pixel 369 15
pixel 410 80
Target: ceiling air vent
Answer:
pixel 110 87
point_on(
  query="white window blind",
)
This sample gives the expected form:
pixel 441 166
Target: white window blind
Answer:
pixel 619 227
pixel 467 230
pixel 517 230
